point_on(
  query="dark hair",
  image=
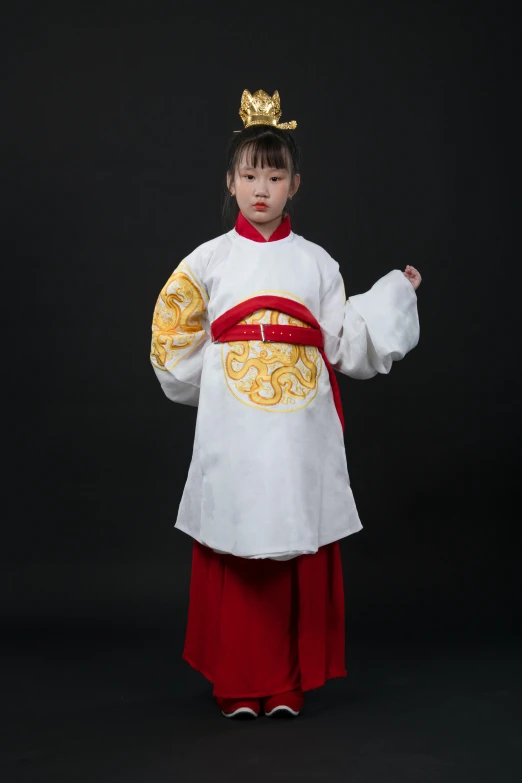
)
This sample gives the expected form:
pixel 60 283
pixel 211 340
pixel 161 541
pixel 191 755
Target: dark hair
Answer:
pixel 268 146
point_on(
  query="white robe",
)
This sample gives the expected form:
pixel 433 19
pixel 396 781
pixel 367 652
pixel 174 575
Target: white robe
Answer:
pixel 268 476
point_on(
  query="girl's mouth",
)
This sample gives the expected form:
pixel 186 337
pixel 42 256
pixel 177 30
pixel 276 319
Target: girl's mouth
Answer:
pixel 260 207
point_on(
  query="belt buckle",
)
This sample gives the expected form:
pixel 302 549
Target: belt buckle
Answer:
pixel 262 333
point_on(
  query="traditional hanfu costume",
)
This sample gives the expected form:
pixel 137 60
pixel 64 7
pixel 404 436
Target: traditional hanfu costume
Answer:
pixel 251 332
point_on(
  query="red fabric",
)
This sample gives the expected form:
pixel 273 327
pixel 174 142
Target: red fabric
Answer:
pixel 247 230
pixel 264 302
pixel 260 627
pixel 231 318
pixel 280 333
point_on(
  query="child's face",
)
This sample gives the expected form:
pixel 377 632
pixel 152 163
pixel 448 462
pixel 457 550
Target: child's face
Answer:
pixel 261 193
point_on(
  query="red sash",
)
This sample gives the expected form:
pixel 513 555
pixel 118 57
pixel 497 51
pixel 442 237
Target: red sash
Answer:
pixel 227 329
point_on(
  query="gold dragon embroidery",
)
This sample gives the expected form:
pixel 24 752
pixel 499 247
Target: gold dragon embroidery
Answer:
pixel 178 321
pixel 272 375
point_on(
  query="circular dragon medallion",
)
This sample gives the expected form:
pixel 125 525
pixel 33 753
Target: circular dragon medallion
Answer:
pixel 272 376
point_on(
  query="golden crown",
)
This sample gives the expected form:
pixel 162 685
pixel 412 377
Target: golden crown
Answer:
pixel 261 109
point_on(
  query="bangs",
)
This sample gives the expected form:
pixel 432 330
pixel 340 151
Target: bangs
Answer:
pixel 265 151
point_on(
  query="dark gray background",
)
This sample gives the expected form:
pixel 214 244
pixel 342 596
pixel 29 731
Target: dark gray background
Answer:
pixel 115 125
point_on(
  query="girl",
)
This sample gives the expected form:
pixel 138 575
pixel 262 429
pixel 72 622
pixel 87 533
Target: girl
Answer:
pixel 250 327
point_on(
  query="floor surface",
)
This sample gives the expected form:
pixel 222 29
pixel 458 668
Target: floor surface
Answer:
pixel 107 707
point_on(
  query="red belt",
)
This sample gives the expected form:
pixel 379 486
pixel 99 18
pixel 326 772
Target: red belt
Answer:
pixel 226 329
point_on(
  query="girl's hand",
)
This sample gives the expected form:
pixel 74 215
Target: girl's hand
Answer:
pixel 413 276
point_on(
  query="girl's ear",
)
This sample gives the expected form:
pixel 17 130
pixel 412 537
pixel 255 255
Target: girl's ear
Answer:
pixel 229 185
pixel 294 187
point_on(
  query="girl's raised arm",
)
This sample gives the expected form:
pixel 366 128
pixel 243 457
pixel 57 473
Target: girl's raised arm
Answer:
pixel 367 333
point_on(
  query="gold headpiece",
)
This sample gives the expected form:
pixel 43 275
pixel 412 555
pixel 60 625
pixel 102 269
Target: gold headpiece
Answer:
pixel 261 109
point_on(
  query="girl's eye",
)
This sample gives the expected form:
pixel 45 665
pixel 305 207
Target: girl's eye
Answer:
pixel 249 176
pixel 275 179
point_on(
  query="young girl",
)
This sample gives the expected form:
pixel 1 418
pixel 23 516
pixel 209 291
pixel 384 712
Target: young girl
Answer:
pixel 251 326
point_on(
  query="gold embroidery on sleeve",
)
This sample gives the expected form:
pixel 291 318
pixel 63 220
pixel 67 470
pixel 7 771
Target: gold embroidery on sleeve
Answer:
pixel 179 318
pixel 273 376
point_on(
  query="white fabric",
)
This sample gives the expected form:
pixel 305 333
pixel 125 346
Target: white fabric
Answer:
pixel 272 482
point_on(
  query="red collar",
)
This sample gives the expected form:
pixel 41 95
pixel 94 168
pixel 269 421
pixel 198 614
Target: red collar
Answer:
pixel 245 229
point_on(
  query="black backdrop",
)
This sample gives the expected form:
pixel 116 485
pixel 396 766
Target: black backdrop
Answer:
pixel 115 124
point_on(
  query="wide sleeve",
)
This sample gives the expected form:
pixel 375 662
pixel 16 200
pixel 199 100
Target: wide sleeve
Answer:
pixel 180 334
pixel 365 334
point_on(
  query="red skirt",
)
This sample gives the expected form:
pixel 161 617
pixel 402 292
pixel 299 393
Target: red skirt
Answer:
pixel 261 627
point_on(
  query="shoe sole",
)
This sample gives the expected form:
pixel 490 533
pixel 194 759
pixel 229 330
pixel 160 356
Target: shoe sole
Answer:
pixel 241 712
pixel 282 711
